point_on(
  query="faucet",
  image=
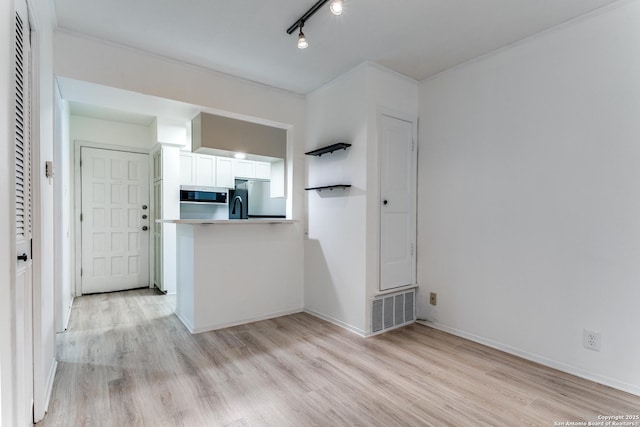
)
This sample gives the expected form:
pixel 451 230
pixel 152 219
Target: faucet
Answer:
pixel 237 199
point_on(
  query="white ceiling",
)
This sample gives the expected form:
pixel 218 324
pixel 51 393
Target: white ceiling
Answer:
pixel 247 38
pixel 111 114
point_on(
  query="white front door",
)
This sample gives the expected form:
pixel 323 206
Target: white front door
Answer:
pixel 115 220
pixel 397 202
pixel 23 292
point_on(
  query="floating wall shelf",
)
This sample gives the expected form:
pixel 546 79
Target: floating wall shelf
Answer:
pixel 330 187
pixel 328 149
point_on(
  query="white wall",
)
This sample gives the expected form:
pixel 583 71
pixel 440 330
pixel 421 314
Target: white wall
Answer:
pixel 335 263
pixel 528 197
pixel 172 131
pixel 341 253
pixel 90 129
pixel 43 226
pixel 62 183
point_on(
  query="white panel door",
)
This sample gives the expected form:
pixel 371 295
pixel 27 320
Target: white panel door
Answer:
pixel 397 202
pixel 115 220
pixel 23 205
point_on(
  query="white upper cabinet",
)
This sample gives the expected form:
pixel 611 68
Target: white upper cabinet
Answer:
pixel 205 170
pixel 197 169
pixel 224 172
pixel 251 169
pixel 187 169
pixel 213 171
pixel 263 170
pixel 244 169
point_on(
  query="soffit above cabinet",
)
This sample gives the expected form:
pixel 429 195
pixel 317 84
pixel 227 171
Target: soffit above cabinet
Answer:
pixel 212 134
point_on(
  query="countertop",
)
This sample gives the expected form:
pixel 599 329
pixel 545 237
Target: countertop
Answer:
pixel 227 221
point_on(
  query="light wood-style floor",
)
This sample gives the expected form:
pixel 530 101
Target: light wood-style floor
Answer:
pixel 126 360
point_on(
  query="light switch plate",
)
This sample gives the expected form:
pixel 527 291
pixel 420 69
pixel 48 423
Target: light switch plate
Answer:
pixel 48 169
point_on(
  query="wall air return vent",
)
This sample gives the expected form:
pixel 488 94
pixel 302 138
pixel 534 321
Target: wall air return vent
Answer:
pixel 392 311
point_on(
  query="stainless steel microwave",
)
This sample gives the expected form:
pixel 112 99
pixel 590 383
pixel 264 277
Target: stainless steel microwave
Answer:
pixel 208 195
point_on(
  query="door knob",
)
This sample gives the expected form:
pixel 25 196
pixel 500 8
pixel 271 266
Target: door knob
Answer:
pixel 385 202
pixel 144 217
pixel 145 228
pixel 144 207
pixel 23 257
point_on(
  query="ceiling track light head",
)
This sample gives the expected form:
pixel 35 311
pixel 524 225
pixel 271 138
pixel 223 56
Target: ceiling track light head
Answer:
pixel 302 40
pixel 336 7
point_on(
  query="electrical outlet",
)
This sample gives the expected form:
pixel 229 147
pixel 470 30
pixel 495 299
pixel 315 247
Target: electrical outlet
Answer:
pixel 591 340
pixel 433 298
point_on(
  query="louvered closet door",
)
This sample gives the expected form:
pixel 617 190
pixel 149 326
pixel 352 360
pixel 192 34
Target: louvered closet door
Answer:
pixel 23 208
pixel 115 220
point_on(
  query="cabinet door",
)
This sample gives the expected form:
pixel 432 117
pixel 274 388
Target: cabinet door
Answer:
pixel 263 170
pixel 224 173
pixel 205 170
pixel 157 165
pixel 187 169
pixel 157 205
pixel 244 169
pixel 157 259
pixel 157 234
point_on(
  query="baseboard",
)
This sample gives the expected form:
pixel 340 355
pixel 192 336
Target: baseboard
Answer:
pixel 68 315
pixel 50 378
pixel 337 322
pixel 384 331
pixel 569 369
pixel 223 325
pixel 184 321
pixel 48 391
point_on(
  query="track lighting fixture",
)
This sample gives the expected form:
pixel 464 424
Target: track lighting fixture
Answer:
pixel 336 8
pixel 302 40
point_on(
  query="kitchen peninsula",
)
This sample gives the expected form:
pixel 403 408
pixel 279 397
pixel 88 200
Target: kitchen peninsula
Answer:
pixel 231 272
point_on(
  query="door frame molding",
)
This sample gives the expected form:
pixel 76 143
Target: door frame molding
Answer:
pixel 413 120
pixel 77 201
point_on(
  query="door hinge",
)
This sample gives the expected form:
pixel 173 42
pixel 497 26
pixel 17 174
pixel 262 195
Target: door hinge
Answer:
pixel 81 272
pixel 412 249
pixel 413 145
pixel 81 217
